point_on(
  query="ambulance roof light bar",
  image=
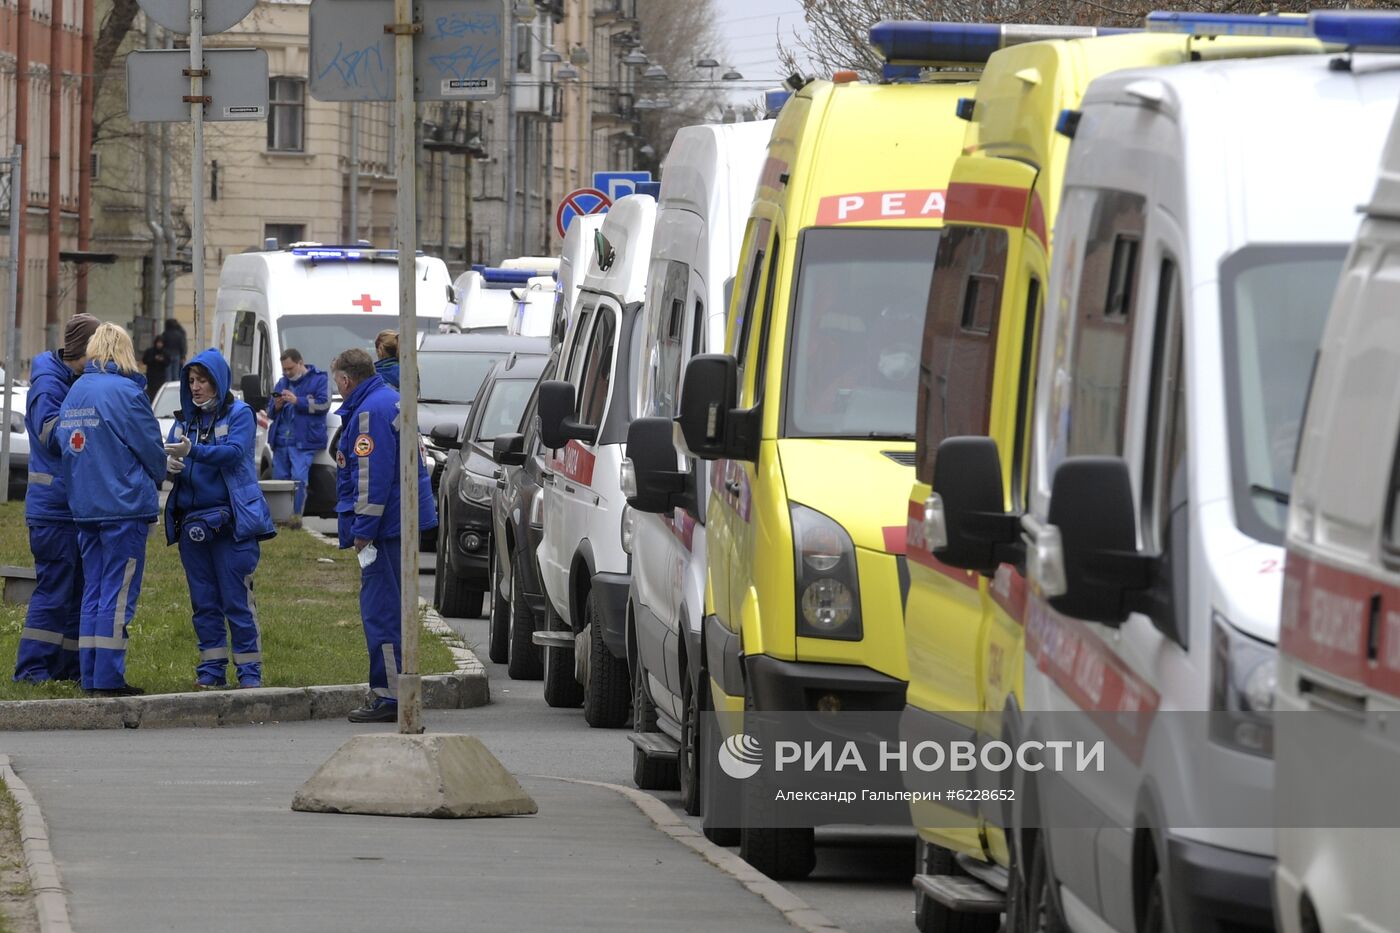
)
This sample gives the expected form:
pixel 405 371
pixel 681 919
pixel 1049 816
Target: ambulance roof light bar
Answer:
pixel 1374 29
pixel 495 276
pixel 1278 26
pixel 908 42
pixel 773 100
pixel 346 254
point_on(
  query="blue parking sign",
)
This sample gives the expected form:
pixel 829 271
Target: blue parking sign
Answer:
pixel 619 184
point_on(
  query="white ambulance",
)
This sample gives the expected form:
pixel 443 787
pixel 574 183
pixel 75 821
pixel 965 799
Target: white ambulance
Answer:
pixel 1205 215
pixel 534 307
pixel 319 300
pixel 707 186
pixel 575 258
pixel 1339 646
pixel 584 415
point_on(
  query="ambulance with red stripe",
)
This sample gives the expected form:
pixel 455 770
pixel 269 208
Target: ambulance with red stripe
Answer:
pixel 964 621
pixel 1189 282
pixel 809 414
pixel 1339 643
pixel 584 416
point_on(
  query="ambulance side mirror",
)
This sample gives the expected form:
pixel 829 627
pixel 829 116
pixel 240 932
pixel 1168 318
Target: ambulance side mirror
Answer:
pixel 251 385
pixel 556 413
pixel 712 426
pixel 658 485
pixel 978 533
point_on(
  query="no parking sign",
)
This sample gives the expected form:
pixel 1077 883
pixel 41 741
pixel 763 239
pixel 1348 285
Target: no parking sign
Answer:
pixel 581 201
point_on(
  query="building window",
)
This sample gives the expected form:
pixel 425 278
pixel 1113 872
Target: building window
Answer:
pixel 284 234
pixel 286 99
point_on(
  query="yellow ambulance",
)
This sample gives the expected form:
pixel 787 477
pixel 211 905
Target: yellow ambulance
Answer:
pixel 967 591
pixel 810 411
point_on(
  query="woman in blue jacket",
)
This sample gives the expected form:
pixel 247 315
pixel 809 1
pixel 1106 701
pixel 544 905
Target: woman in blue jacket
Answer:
pixel 112 463
pixel 217 512
pixel 386 353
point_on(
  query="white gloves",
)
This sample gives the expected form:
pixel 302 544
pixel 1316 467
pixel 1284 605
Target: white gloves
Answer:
pixel 173 465
pixel 179 449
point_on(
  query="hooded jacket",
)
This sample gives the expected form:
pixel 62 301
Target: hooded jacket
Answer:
pixel 46 500
pixel 112 455
pixel 219 467
pixel 307 418
pixel 367 479
pixel 388 369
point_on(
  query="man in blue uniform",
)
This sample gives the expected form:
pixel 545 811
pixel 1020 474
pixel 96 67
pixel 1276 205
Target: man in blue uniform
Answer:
pixel 48 643
pixel 367 488
pixel 298 409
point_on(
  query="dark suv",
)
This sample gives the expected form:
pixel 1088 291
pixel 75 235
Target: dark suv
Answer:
pixel 518 607
pixel 468 481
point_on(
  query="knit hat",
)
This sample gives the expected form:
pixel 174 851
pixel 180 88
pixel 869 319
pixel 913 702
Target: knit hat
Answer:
pixel 76 335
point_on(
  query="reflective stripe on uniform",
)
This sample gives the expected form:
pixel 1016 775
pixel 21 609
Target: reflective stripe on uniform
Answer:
pixel 252 611
pixel 119 616
pixel 41 479
pixel 362 503
pixel 221 430
pixel 312 407
pixel 246 658
pixel 48 429
pixel 214 654
pixel 391 673
pixel 38 634
pixel 97 641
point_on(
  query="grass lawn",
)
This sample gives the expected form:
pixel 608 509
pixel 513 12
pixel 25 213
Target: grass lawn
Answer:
pixel 17 913
pixel 308 609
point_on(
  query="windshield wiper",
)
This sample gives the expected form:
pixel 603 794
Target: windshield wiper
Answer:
pixel 443 401
pixel 1282 498
pixel 883 436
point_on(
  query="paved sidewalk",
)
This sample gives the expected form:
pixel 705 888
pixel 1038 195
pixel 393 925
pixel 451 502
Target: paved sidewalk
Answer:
pixel 192 830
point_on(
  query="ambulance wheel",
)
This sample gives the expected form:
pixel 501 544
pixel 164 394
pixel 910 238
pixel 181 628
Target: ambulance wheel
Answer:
pixel 783 854
pixel 607 697
pixel 688 758
pixel 1154 911
pixel 498 647
pixel 710 784
pixel 1042 912
pixel 523 661
pixel 561 689
pixel 648 773
pixel 933 917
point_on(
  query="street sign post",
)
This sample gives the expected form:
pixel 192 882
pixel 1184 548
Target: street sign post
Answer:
pixel 236 85
pixel 619 184
pixel 580 201
pixel 456 55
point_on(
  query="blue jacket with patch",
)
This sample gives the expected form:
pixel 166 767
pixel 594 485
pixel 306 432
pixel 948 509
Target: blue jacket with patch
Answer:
pixel 367 479
pixel 219 468
pixel 113 459
pixel 306 420
pixel 46 500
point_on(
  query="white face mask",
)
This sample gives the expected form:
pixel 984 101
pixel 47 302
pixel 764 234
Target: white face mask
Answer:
pixel 208 404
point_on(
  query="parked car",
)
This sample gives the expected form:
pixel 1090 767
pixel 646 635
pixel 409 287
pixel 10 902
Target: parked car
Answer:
pixel 517 526
pixel 451 368
pixel 19 444
pixel 464 568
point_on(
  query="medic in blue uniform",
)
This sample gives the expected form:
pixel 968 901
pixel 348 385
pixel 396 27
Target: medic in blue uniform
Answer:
pixel 48 643
pixel 298 409
pixel 367 487
pixel 112 463
pixel 217 512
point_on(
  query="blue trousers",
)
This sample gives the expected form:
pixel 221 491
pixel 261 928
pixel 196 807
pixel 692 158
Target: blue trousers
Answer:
pixel 220 574
pixel 114 556
pixel 290 462
pixel 379 612
pixel 48 644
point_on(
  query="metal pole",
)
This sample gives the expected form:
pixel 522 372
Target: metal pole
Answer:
pixel 155 286
pixel 354 173
pixel 443 190
pixel 511 136
pixel 410 684
pixel 197 169
pixel 17 201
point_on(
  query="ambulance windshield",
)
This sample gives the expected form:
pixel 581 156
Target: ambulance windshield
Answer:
pixel 1274 304
pixel 853 362
pixel 322 337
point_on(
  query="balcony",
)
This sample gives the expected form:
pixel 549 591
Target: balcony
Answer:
pixel 613 107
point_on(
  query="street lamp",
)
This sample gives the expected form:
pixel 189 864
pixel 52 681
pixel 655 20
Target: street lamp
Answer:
pixel 655 73
pixel 523 11
pixel 566 73
pixel 549 56
pixel 578 55
pixel 731 75
pixel 707 62
pixel 635 57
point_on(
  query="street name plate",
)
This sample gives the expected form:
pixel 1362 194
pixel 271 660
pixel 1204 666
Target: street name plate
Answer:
pixel 219 15
pixel 156 85
pixel 457 55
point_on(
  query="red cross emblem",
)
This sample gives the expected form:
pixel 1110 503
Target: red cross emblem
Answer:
pixel 76 441
pixel 366 303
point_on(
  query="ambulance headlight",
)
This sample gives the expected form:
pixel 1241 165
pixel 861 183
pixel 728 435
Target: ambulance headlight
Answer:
pixel 474 489
pixel 1243 677
pixel 827 590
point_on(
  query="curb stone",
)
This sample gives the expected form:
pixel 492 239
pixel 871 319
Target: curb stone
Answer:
pixel 50 900
pixel 465 688
pixel 794 910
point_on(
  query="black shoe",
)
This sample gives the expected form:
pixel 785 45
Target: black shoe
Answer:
pixel 126 691
pixel 378 711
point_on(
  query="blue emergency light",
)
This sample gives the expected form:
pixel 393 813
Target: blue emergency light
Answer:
pixel 347 254
pixel 1229 24
pixel 495 276
pixel 1376 29
pixel 907 42
pixel 774 99
pixel 901 74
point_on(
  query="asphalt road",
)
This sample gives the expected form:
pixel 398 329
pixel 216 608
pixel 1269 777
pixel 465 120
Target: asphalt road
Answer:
pixel 862 878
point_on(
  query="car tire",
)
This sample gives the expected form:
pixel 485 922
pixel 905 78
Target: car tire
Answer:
pixel 1041 913
pixel 498 625
pixel 933 917
pixel 648 773
pixel 688 758
pixel 561 689
pixel 523 661
pixel 710 785
pixel 783 854
pixel 607 697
